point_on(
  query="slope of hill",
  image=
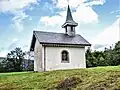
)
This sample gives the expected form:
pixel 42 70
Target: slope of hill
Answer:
pixel 100 78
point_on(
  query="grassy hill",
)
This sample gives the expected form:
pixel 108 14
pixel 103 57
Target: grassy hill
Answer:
pixel 100 78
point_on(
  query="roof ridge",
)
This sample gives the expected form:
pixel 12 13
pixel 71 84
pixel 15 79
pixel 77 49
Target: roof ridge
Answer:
pixel 53 32
pixel 49 32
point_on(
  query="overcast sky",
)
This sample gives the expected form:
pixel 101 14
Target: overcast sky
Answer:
pixel 98 21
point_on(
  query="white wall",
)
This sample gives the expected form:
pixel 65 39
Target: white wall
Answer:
pixel 38 66
pixel 76 57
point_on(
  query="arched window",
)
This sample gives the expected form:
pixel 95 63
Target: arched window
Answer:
pixel 65 56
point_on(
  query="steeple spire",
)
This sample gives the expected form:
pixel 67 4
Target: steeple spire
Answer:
pixel 69 24
pixel 69 15
pixel 69 19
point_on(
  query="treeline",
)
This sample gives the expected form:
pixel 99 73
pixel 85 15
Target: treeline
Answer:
pixel 16 62
pixel 108 57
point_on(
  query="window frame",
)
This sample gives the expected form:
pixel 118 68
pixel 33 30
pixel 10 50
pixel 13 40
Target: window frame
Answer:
pixel 67 56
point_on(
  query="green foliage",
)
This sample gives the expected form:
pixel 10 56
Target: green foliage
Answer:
pixel 116 53
pixel 108 57
pixel 14 61
pixel 77 79
pixel 30 67
pixel 1 67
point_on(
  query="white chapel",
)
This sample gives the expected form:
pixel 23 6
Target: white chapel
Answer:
pixel 55 51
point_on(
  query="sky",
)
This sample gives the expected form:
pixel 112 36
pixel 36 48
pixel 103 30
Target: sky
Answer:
pixel 98 21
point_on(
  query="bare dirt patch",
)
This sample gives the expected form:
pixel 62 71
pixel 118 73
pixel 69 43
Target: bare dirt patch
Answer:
pixel 68 83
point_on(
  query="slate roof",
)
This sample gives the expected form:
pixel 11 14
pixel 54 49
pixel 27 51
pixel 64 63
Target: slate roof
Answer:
pixel 57 38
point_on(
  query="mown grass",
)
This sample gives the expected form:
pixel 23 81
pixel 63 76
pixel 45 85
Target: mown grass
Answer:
pixel 100 78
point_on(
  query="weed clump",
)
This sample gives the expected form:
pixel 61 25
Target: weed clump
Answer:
pixel 68 83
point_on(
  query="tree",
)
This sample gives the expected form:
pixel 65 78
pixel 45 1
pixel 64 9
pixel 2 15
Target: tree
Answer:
pixel 91 61
pixel 116 53
pixel 1 67
pixel 14 61
pixel 108 57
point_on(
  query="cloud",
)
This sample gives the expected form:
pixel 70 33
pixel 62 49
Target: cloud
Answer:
pixel 53 20
pixel 80 15
pixel 25 46
pixel 64 3
pixel 98 46
pixel 101 47
pixel 76 3
pixel 18 19
pixel 15 40
pixel 95 2
pixel 3 53
pixel 110 35
pixel 17 9
pixel 14 44
pixel 116 12
pixel 1 49
pixel 14 5
pixel 83 7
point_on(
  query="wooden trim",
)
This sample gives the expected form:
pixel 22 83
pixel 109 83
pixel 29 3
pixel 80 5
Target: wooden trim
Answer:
pixel 63 44
pixel 59 45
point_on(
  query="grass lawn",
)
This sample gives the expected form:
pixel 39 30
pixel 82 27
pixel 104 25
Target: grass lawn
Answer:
pixel 100 78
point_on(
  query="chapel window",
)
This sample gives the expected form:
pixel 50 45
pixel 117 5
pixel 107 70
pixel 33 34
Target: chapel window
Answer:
pixel 65 56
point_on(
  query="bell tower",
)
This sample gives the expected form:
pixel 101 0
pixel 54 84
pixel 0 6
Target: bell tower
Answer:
pixel 69 24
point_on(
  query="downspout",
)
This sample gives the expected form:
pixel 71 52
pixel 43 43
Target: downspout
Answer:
pixel 44 58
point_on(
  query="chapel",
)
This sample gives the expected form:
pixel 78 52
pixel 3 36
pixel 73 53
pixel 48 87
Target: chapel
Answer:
pixel 55 51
